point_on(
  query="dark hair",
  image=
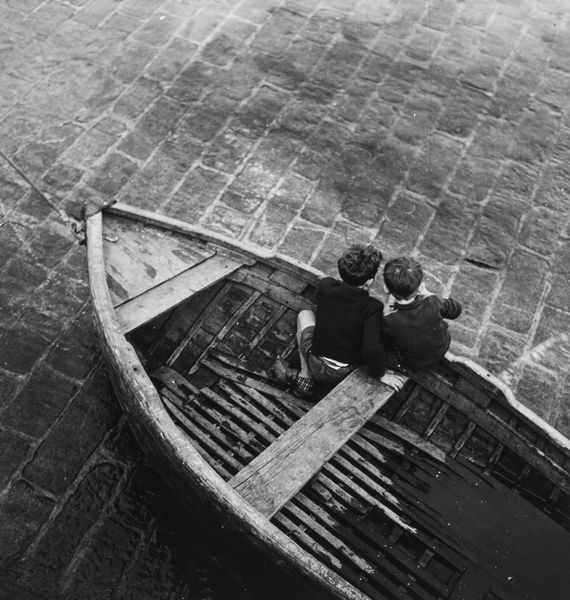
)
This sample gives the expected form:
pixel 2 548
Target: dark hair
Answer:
pixel 403 276
pixel 358 264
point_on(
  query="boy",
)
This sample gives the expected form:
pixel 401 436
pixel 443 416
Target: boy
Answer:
pixel 416 328
pixel 345 331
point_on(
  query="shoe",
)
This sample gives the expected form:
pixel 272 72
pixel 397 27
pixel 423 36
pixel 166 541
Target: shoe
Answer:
pixel 284 373
pixel 303 387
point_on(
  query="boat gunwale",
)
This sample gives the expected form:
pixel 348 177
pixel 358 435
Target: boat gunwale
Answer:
pixel 157 422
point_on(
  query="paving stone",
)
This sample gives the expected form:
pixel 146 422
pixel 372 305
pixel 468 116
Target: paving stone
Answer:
pixel 535 135
pixel 63 537
pixel 500 351
pixel 171 60
pixel 474 287
pixel 194 81
pixel 49 244
pixel 23 511
pixel 554 346
pixel 271 228
pixel 141 9
pixel 132 62
pixel 434 165
pixel 81 428
pixel 197 192
pixel 157 30
pixel 323 206
pixel 45 395
pixel 294 66
pixel 474 177
pixel 14 450
pixel 422 43
pixel 554 188
pixel 228 41
pixel 447 235
pixel 152 128
pixel 339 64
pixel 461 115
pixel 141 95
pixel 227 221
pixel 539 388
pixel 104 563
pixel 258 114
pixel 227 152
pixel 323 25
pixel 115 172
pixel 521 291
pixel 208 118
pixel 25 348
pixel 541 230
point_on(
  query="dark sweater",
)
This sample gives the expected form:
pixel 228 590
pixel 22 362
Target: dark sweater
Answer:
pixel 418 331
pixel 348 326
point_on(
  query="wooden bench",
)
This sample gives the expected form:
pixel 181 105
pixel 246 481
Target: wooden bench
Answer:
pixel 277 474
pixel 168 294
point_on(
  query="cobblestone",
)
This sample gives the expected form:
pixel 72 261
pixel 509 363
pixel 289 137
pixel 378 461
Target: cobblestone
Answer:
pixel 438 129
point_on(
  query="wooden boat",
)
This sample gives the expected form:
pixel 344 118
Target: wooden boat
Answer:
pixel 448 488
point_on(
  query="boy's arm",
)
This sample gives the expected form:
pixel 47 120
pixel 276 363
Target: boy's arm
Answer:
pixel 373 349
pixel 450 309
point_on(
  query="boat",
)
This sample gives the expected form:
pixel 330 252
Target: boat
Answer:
pixel 445 489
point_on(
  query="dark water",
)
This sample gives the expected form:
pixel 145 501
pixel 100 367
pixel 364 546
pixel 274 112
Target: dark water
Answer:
pixel 514 547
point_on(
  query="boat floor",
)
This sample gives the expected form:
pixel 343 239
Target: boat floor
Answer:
pixel 388 511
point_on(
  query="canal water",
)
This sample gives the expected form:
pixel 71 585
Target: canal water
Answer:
pixel 514 547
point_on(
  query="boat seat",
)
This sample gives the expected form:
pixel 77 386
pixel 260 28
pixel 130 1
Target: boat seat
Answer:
pixel 157 300
pixel 276 475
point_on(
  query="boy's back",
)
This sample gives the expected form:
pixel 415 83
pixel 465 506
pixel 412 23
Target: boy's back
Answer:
pixel 418 330
pixel 348 325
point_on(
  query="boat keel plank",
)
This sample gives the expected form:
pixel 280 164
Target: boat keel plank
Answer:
pixel 167 295
pixel 277 474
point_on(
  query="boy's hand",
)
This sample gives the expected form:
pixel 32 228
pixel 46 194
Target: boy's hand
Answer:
pixel 394 380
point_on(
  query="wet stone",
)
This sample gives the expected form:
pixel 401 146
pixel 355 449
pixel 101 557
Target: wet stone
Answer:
pixel 23 511
pixel 140 498
pixel 301 241
pixel 171 60
pixel 153 127
pixel 13 450
pixel 26 347
pixel 227 221
pixel 272 225
pixel 539 388
pixel 49 244
pixel 63 538
pixel 228 42
pixel 541 231
pixel 157 30
pixel 45 395
pixel 448 232
pixel 500 350
pixel 81 428
pixel 113 174
pixel 104 563
pixel 198 191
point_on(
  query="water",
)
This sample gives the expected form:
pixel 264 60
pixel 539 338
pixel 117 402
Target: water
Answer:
pixel 514 547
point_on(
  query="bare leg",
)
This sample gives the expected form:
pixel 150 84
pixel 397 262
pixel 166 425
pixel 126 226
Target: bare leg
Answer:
pixel 306 318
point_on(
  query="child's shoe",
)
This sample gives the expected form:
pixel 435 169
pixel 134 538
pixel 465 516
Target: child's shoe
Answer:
pixel 303 387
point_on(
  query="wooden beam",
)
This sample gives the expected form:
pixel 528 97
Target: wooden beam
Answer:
pixel 170 293
pixel 278 473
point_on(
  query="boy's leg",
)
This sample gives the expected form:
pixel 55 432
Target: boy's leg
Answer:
pixel 306 318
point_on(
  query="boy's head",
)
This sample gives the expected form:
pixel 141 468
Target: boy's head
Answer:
pixel 358 264
pixel 403 277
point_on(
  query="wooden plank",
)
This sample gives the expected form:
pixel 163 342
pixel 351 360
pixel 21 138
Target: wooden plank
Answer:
pixel 172 292
pixel 138 257
pixel 277 474
pixel 497 428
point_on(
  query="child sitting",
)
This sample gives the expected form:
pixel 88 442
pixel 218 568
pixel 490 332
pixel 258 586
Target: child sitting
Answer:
pixel 345 331
pixel 415 328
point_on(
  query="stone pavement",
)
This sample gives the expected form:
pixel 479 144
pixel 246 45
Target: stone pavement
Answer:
pixel 434 128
